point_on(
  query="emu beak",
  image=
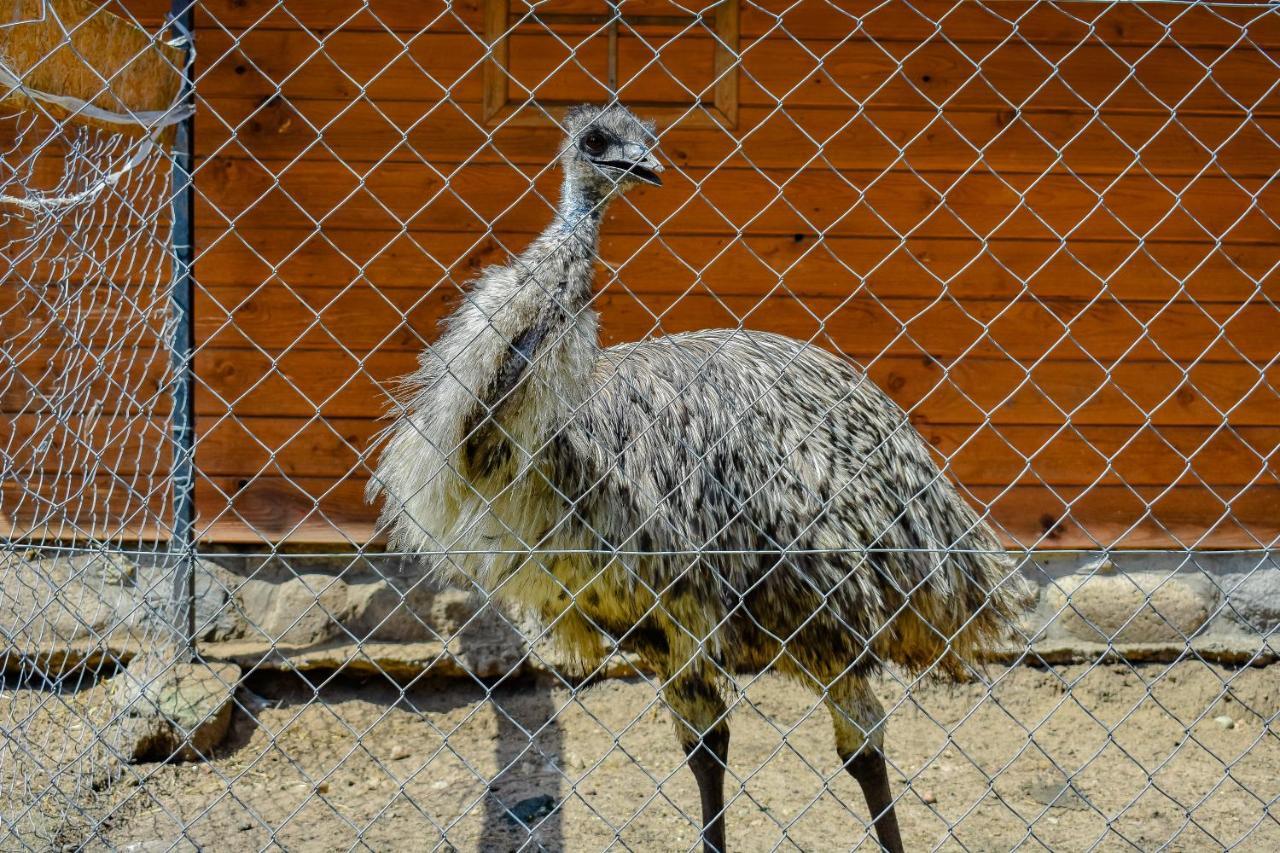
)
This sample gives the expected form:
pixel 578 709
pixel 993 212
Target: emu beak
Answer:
pixel 647 170
pixel 640 164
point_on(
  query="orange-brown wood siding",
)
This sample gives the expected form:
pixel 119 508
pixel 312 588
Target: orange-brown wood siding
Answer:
pixel 1082 318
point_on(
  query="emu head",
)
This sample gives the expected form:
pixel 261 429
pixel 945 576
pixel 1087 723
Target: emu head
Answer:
pixel 609 150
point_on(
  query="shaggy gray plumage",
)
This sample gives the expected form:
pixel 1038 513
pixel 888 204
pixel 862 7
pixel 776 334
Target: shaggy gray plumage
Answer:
pixel 718 502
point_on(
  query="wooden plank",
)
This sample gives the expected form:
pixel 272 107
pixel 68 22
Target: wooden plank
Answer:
pixel 496 90
pixel 1114 516
pixel 1026 516
pixel 1050 393
pixel 1131 392
pixel 82 506
pixel 1055 23
pixel 298 511
pixel 974 454
pixel 1027 143
pixel 1134 23
pixel 988 455
pixel 45 446
pixel 396 196
pixel 305 510
pixel 125 378
pixel 864 326
pixel 382 67
pixel 94 304
pixel 320 511
pixel 833 266
pixel 725 72
pixel 974 390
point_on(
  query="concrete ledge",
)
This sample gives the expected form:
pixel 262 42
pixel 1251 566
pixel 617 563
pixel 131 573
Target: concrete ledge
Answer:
pixel 405 661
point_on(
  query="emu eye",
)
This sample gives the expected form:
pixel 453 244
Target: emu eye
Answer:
pixel 594 143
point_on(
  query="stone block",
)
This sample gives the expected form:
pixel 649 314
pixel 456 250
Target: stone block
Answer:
pixel 168 709
pixel 386 611
pixel 1254 599
pixel 1132 607
pixel 58 600
pixel 301 611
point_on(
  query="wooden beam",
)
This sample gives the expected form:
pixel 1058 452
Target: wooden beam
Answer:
pixel 726 61
pixel 495 83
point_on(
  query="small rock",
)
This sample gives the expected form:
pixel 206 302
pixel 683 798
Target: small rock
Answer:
pixel 439 785
pixel 168 709
pixel 388 612
pixel 399 752
pixel 1225 722
pixel 929 798
pixel 529 810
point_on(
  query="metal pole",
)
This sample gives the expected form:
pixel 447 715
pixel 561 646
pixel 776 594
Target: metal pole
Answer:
pixel 182 304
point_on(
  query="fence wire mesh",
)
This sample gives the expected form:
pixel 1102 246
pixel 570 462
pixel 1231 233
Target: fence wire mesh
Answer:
pixel 1046 230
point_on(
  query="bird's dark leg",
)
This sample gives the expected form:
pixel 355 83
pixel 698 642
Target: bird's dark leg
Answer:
pixel 703 732
pixel 868 768
pixel 707 759
pixel 858 718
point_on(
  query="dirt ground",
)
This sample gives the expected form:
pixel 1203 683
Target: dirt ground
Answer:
pixel 344 764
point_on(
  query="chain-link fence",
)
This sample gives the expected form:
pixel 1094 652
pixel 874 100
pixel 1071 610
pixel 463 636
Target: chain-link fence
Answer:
pixel 1046 231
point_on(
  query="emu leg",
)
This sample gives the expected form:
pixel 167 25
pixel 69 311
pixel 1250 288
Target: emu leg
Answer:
pixel 707 759
pixel 868 768
pixel 858 718
pixel 699 713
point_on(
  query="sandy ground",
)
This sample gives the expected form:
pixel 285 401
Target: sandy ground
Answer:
pixel 370 765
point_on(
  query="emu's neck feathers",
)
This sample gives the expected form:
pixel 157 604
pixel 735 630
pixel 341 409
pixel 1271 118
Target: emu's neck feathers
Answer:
pixel 511 361
pixel 534 305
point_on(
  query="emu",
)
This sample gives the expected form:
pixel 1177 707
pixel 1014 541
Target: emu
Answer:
pixel 719 503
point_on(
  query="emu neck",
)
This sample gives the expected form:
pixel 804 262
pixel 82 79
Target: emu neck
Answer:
pixel 558 267
pixel 573 237
pixel 543 314
pixel 581 206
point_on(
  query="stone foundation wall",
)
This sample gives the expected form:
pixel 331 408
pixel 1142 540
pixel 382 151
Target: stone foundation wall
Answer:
pixel 365 615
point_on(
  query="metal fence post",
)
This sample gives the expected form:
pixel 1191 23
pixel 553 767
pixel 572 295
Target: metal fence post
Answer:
pixel 182 542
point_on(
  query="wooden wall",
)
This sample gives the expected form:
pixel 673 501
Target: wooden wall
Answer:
pixel 1068 282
